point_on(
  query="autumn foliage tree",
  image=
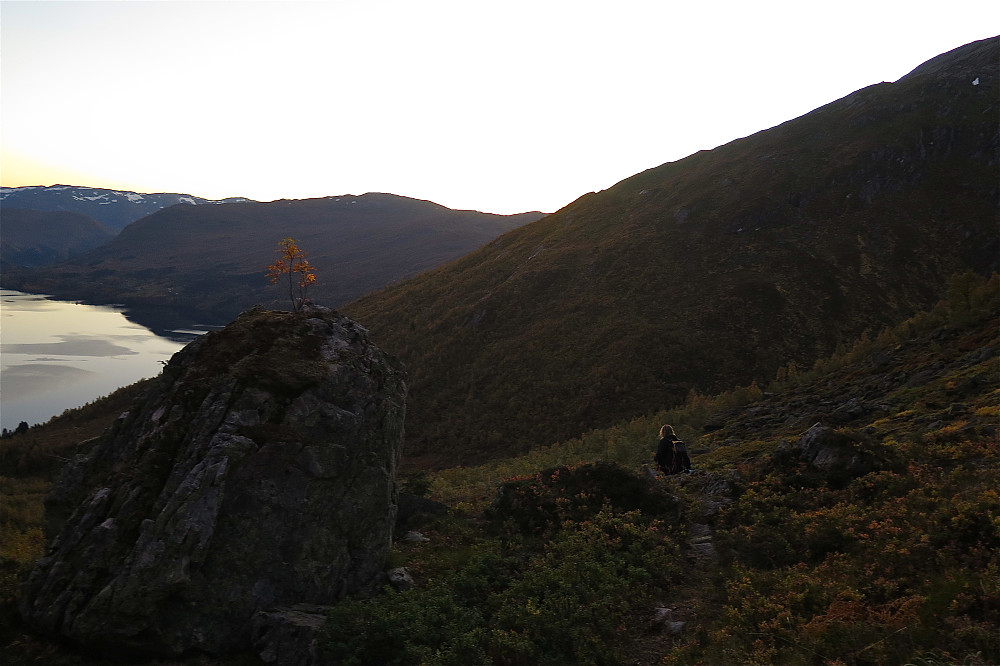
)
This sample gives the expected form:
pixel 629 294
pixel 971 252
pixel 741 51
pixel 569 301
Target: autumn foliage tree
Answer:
pixel 293 266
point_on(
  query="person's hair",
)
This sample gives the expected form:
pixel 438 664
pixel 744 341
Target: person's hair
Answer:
pixel 667 430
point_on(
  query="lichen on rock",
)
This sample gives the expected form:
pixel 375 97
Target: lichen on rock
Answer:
pixel 258 471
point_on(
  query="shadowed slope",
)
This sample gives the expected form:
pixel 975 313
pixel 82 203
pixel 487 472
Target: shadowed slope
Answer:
pixel 700 273
pixel 36 238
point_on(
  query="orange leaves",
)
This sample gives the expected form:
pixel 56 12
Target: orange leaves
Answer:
pixel 292 263
pixel 276 270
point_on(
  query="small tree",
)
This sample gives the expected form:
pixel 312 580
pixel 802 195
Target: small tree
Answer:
pixel 292 263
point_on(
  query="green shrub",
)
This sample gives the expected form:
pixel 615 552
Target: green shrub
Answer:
pixel 542 503
pixel 562 601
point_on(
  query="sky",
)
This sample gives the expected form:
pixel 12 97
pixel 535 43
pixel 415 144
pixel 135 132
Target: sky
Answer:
pixel 499 106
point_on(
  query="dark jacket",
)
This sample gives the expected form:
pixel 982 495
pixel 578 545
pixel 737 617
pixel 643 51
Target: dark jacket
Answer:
pixel 665 453
pixel 682 462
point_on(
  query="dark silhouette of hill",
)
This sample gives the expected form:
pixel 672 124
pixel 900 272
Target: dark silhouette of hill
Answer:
pixel 713 270
pixel 37 238
pixel 114 209
pixel 209 261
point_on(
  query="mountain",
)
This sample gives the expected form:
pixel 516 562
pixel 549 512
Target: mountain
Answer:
pixel 209 261
pixel 847 516
pixel 867 539
pixel 37 238
pixel 113 208
pixel 697 274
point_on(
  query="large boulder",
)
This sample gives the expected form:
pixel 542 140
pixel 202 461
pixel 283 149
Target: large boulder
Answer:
pixel 834 452
pixel 258 472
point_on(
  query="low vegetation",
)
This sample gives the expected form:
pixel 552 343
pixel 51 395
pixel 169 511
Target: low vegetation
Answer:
pixel 575 554
pixel 551 575
pixel 895 565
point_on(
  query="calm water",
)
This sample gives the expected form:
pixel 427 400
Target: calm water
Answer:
pixel 56 355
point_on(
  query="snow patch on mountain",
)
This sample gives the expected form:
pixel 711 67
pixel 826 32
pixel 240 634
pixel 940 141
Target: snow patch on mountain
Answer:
pixel 113 208
pixel 5 191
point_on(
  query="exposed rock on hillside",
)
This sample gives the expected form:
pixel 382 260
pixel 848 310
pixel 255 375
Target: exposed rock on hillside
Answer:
pixel 258 472
pixel 828 450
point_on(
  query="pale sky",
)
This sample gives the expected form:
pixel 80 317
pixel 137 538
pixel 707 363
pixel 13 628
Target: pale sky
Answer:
pixel 500 106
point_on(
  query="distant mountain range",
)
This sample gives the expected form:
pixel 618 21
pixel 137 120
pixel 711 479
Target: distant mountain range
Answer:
pixel 206 263
pixel 711 271
pixel 112 208
pixel 47 224
pixel 37 238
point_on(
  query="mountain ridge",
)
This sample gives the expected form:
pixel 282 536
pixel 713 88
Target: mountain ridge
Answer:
pixel 207 263
pixel 711 270
pixel 115 209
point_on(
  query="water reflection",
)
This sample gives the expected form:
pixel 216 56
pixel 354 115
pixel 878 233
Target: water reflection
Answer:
pixel 56 355
pixel 72 345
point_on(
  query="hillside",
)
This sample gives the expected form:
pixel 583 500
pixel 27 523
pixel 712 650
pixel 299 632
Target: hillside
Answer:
pixel 37 238
pixel 209 261
pixel 713 270
pixel 879 546
pixel 114 209
pixel 846 515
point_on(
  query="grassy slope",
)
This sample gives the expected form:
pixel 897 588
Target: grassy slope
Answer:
pixel 701 273
pixel 889 566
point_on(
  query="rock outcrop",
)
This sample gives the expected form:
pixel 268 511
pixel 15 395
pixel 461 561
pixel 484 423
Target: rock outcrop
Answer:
pixel 259 472
pixel 831 451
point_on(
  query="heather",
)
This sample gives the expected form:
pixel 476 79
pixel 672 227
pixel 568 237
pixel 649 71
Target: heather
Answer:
pixel 565 554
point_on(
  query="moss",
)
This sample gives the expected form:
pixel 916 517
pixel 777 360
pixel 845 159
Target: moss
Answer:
pixel 277 351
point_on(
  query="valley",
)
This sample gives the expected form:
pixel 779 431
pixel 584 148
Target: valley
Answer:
pixel 206 263
pixel 813 308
